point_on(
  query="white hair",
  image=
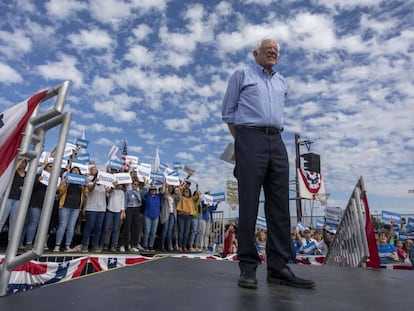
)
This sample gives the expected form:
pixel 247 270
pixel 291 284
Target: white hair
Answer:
pixel 259 43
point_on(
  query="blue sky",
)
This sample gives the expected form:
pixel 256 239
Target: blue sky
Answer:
pixel 155 71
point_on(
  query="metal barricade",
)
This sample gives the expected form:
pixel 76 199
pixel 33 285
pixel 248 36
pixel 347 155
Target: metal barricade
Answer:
pixel 349 247
pixel 31 148
pixel 217 232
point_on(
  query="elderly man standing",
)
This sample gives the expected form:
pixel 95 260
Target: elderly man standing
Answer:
pixel 253 110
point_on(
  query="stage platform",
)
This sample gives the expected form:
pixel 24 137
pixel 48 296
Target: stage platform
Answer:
pixel 183 284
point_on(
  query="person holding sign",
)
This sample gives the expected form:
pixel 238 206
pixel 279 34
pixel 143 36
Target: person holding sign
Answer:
pixel 152 213
pixel 36 204
pixel 13 201
pixel 95 209
pixel 168 216
pixel 130 229
pixel 72 193
pixel 253 110
pixel 185 213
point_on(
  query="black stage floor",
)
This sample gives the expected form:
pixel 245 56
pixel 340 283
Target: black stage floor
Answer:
pixel 195 284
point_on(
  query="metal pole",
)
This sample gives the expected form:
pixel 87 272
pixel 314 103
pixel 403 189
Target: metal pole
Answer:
pixel 297 166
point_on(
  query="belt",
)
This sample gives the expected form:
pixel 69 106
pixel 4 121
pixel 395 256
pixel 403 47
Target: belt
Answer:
pixel 266 129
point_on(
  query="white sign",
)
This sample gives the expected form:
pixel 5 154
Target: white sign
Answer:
pixel 144 170
pixel 45 176
pixel 106 179
pixel 172 180
pixel 123 178
pixel 208 199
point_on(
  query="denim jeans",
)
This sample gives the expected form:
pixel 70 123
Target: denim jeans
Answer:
pixel 34 217
pixel 150 229
pixel 11 208
pixel 184 228
pixel 166 234
pixel 67 222
pixel 111 218
pixel 94 222
pixel 195 232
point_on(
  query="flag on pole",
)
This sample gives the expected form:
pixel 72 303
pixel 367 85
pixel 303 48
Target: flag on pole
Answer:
pixel 124 147
pixel 157 161
pixel 13 122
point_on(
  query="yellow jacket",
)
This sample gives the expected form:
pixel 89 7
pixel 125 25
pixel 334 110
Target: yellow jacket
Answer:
pixel 63 188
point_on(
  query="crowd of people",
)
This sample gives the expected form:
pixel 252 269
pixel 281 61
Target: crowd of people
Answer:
pixel 127 217
pixel 391 249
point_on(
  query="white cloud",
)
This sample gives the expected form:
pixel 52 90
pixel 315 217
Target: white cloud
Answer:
pixel 14 43
pixel 117 107
pixel 178 125
pixel 102 86
pixel 140 55
pixel 135 149
pixel 9 75
pixel 141 32
pixel 64 69
pixel 112 12
pixel 91 39
pixel 62 9
pixel 185 156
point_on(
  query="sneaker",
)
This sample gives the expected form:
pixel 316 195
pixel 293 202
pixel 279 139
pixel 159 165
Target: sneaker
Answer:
pixel 122 249
pixel 113 249
pixel 28 247
pixel 67 249
pixel 56 249
pixel 151 249
pixel 97 249
pixel 45 247
pixel 140 247
pixel 84 249
pixel 134 250
pixel 192 250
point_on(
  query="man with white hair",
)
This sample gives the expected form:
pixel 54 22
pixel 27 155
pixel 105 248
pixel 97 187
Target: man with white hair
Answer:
pixel 253 110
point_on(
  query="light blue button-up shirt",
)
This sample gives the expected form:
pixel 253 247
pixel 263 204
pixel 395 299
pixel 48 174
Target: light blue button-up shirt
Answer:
pixel 255 98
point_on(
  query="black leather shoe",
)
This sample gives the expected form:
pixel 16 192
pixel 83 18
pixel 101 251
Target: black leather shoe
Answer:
pixel 248 279
pixel 287 277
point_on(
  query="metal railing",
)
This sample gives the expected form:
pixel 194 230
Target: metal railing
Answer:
pixel 349 248
pixel 31 148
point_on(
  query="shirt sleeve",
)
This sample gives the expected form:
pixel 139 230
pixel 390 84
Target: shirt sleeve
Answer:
pixel 231 97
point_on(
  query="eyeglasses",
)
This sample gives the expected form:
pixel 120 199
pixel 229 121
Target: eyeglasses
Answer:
pixel 135 184
pixel 270 49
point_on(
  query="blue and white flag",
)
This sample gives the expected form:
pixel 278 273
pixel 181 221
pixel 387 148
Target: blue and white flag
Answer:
pixel 387 217
pixel 115 165
pixel 261 223
pixel 82 143
pixel 163 167
pixel 319 223
pixel 177 165
pixel 219 196
pixel 83 157
pixel 410 224
pixel 157 176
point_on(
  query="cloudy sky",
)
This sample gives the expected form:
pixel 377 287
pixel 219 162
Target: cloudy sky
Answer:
pixel 155 71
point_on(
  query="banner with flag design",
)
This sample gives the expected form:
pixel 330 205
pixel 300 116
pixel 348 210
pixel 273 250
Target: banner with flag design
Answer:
pixel 310 184
pixel 13 122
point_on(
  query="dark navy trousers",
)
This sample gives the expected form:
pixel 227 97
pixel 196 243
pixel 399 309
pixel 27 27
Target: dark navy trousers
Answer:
pixel 261 160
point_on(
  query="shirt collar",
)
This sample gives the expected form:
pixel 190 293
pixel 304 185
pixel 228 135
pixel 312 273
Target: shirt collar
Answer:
pixel 262 70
